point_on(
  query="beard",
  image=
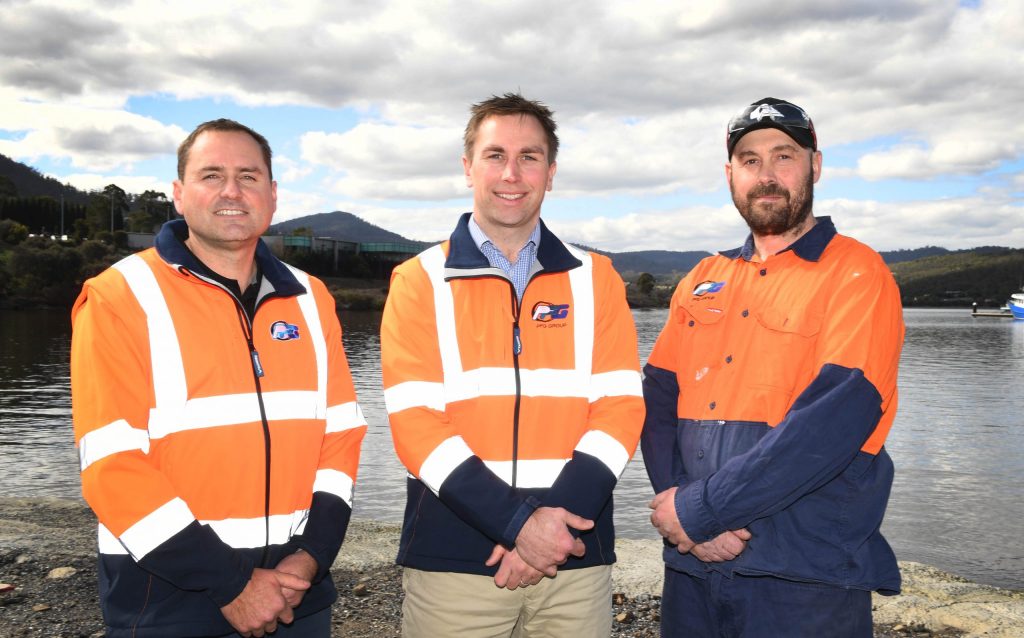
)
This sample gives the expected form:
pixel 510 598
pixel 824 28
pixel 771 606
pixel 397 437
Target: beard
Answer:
pixel 775 219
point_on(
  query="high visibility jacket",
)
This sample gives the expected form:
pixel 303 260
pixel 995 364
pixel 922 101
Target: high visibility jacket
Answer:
pixel 769 393
pixel 208 445
pixel 498 406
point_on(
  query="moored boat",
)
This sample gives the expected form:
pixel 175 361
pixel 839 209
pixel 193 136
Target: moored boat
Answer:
pixel 1016 305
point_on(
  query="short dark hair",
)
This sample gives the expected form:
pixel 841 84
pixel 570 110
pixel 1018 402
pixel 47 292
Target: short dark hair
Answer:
pixel 510 104
pixel 222 124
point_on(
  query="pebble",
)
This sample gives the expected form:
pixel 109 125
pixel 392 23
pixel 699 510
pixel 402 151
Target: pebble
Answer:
pixel 62 572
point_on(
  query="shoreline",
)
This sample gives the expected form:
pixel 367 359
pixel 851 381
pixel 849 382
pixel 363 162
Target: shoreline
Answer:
pixel 40 536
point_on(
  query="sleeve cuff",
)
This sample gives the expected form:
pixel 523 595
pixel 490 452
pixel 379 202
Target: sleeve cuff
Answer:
pixel 694 514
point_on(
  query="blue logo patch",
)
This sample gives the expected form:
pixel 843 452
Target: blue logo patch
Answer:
pixel 284 331
pixel 545 311
pixel 705 287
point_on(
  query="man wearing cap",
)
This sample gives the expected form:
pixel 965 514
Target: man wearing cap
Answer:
pixel 769 395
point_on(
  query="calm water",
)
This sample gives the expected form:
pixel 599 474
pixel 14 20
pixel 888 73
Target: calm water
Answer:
pixel 958 441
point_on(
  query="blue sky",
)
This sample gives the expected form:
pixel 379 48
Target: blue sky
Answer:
pixel 916 103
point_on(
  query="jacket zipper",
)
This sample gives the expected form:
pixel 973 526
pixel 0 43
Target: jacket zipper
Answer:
pixel 517 348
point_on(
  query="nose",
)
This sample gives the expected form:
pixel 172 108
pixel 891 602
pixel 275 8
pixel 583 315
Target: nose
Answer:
pixel 231 189
pixel 766 174
pixel 511 172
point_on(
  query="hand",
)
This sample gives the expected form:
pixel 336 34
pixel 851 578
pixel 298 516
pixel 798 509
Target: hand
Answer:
pixel 726 546
pixel 514 571
pixel 544 542
pixel 299 564
pixel 665 520
pixel 261 604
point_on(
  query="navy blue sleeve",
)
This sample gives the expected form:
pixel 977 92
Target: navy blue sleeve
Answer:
pixel 821 434
pixel 658 441
pixel 325 531
pixel 196 559
pixel 583 486
pixel 486 502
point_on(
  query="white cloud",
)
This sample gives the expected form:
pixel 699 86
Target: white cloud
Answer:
pixel 134 184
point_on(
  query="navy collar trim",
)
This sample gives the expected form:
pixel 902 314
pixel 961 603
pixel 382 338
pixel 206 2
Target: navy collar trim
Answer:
pixel 465 255
pixel 809 247
pixel 170 245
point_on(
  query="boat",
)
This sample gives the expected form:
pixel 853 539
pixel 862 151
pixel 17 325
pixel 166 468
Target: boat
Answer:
pixel 1016 304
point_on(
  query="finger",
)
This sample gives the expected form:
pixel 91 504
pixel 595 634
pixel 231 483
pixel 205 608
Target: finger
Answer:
pixel 291 581
pixel 578 548
pixel 495 556
pixel 743 534
pixel 578 522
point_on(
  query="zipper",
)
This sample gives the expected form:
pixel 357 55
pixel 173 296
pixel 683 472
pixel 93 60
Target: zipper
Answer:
pixel 517 349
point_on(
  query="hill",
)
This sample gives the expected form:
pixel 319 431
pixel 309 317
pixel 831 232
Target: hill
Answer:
pixel 984 275
pixel 660 263
pixel 31 183
pixel 339 225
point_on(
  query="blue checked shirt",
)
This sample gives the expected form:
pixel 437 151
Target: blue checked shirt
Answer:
pixel 518 272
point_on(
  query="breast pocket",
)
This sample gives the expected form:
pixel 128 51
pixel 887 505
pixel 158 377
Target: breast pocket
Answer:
pixel 783 344
pixel 701 355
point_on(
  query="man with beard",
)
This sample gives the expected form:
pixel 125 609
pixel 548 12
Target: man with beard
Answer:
pixel 769 395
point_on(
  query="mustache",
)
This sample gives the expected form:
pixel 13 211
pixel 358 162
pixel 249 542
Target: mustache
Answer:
pixel 768 190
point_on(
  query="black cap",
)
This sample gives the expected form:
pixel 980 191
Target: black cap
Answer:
pixel 771 112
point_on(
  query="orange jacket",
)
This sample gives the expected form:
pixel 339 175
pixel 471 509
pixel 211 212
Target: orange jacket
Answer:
pixel 496 405
pixel 181 408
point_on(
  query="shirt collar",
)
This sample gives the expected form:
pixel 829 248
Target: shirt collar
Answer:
pixel 808 247
pixel 480 237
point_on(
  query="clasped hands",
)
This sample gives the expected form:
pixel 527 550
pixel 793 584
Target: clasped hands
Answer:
pixel 543 544
pixel 270 596
pixel 726 546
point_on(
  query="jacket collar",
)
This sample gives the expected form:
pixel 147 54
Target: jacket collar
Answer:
pixel 808 247
pixel 170 245
pixel 464 255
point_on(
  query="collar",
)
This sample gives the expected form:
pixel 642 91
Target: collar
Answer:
pixel 480 237
pixel 170 245
pixel 808 247
pixel 464 253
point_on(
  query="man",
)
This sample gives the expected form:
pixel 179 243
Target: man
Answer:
pixel 769 394
pixel 512 385
pixel 214 414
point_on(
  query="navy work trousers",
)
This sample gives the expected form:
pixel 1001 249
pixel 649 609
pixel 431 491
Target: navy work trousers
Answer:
pixel 760 606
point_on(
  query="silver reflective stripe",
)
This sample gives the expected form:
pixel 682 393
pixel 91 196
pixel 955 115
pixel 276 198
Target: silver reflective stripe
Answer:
pixel 307 303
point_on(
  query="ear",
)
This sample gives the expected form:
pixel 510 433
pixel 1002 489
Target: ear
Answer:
pixel 466 165
pixel 273 193
pixel 728 174
pixel 176 187
pixel 816 165
pixel 552 169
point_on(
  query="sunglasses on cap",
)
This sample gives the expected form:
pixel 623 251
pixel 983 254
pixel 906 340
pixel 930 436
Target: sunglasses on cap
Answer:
pixel 771 113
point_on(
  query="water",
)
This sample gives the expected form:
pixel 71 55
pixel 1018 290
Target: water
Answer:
pixel 958 440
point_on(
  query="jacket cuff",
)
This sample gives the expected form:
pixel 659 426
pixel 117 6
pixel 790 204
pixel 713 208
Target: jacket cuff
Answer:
pixel 519 519
pixel 694 514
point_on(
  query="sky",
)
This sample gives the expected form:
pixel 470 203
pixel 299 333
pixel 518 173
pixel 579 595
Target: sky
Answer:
pixel 918 105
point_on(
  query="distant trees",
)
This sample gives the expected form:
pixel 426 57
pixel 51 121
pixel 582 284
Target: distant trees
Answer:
pixel 107 209
pixel 151 209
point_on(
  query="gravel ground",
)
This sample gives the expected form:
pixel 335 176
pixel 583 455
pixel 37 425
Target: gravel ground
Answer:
pixel 47 555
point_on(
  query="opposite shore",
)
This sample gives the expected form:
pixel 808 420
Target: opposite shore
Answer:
pixel 47 550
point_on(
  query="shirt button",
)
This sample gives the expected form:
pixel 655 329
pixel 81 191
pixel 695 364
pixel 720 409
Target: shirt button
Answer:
pixel 713 404
pixel 691 323
pixel 746 313
pixel 764 271
pixel 700 454
pixel 728 359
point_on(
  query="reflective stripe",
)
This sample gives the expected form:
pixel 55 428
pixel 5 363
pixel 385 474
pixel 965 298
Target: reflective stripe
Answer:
pixel 235 532
pixel 334 482
pixel 233 409
pixel 529 472
pixel 605 448
pixel 252 532
pixel 581 282
pixel 110 439
pixel 168 370
pixel 414 394
pixel 307 303
pixel 620 383
pixel 443 461
pixel 156 527
pixel 444 311
pixel 344 417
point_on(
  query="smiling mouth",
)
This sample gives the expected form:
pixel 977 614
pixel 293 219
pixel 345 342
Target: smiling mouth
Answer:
pixel 511 196
pixel 230 212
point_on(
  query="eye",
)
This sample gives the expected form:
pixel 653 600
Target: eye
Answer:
pixel 494 156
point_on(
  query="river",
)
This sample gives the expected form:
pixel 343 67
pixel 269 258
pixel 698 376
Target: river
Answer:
pixel 958 439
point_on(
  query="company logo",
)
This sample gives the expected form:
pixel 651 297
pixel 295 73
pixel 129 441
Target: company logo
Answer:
pixel 544 311
pixel 284 331
pixel 763 111
pixel 705 287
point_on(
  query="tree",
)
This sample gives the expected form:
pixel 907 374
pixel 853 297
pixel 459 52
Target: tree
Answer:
pixel 7 187
pixel 152 208
pixel 645 283
pixel 107 209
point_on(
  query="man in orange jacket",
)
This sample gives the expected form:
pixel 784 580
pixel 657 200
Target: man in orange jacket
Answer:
pixel 214 413
pixel 512 386
pixel 769 395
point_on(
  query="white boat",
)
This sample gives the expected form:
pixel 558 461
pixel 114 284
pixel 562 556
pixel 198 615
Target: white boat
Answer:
pixel 1016 305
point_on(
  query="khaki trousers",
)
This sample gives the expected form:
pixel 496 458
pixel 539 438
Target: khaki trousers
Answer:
pixel 575 603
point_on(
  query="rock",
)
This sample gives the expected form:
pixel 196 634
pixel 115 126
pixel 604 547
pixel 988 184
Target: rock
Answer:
pixel 360 590
pixel 618 599
pixel 625 617
pixel 40 607
pixel 22 558
pixel 6 587
pixel 62 572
